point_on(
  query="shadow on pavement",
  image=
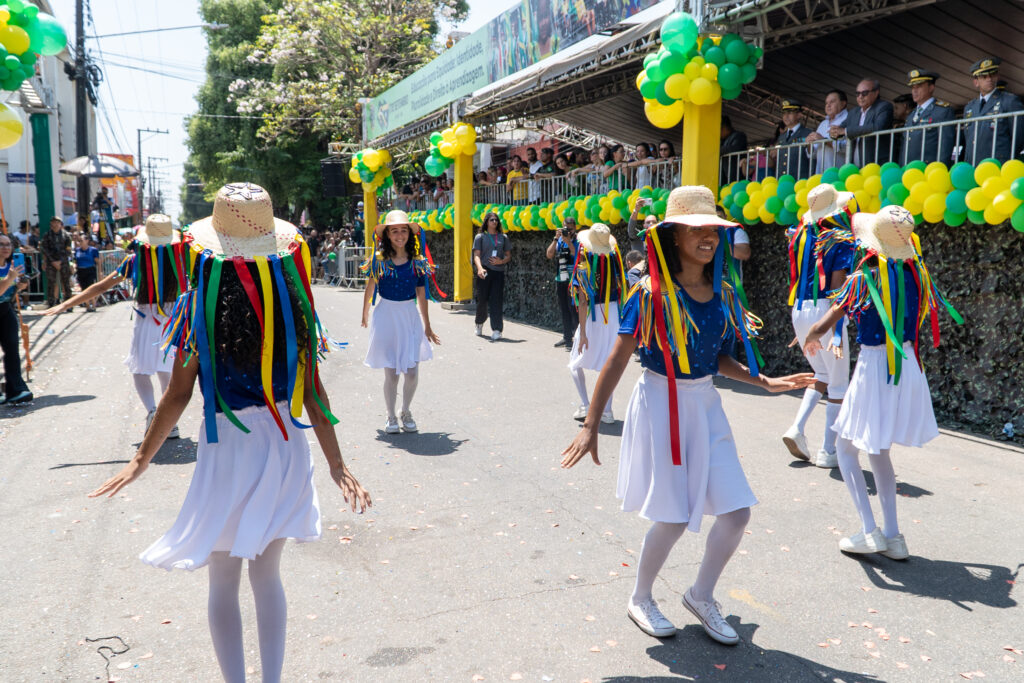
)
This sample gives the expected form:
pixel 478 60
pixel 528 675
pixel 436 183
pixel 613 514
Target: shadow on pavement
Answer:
pixel 613 429
pixel 902 488
pixel 693 656
pixel 422 443
pixel 85 464
pixel 957 582
pixel 44 401
pixel 175 452
pixel 743 388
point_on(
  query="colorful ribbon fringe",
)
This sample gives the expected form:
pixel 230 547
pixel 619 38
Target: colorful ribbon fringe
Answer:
pixel 377 267
pixel 154 262
pixel 594 277
pixel 803 254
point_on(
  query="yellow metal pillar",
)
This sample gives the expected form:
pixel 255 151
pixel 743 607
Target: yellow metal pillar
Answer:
pixel 463 257
pixel 369 215
pixel 702 134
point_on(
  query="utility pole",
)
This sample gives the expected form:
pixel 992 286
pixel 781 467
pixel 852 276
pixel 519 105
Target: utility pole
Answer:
pixel 155 199
pixel 138 165
pixel 81 120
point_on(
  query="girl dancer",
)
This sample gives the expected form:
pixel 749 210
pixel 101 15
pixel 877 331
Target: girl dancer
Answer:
pixel 890 294
pixel 811 278
pixel 598 288
pixel 678 459
pixel 398 340
pixel 156 268
pixel 249 334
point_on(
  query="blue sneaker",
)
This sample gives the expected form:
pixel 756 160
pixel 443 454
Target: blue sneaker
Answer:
pixel 23 397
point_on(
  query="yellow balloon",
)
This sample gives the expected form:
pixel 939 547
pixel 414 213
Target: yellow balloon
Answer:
pixel 640 77
pixel 976 199
pixel 934 205
pixel 469 149
pixel 872 185
pixel 698 60
pixel 11 126
pixel 372 159
pixel 862 197
pixel 385 156
pixel 939 181
pixel 466 135
pixel 1011 170
pixel 813 181
pixel 800 184
pixel 662 116
pixel 993 217
pixel 677 86
pixel 753 187
pixel 447 149
pixel 920 191
pixel 757 197
pixel 750 211
pixel 801 197
pixel 692 71
pixel 1005 203
pixel 913 206
pixel 709 71
pixel 875 205
pixel 871 170
pixel 353 175
pixel 14 38
pixel 985 171
pixel 855 182
pixel 765 215
pixel 5 15
pixel 912 176
pixel 994 185
pixel 448 135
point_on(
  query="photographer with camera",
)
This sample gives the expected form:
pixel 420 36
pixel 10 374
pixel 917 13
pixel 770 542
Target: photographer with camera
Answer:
pixel 635 230
pixel 564 248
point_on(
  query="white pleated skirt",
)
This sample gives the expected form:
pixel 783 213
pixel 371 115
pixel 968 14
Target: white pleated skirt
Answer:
pixel 835 372
pixel 397 339
pixel 710 480
pixel 876 414
pixel 247 490
pixel 601 338
pixel 145 357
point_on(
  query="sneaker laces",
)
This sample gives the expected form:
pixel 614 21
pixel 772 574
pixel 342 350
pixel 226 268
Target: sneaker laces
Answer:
pixel 713 614
pixel 651 612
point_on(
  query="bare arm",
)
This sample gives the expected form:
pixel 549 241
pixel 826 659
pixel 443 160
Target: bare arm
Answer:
pixel 421 301
pixel 581 315
pixel 741 252
pixel 104 285
pixel 550 252
pixel 371 287
pixel 733 369
pixel 813 342
pixel 476 262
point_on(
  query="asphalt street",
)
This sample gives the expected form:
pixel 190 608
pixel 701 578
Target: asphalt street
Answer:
pixel 481 559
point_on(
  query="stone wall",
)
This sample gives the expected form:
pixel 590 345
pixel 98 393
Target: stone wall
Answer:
pixel 976 375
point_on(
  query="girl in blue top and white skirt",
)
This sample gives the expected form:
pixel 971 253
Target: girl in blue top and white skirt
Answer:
pixel 678 460
pixel 399 342
pixel 248 333
pixel 890 295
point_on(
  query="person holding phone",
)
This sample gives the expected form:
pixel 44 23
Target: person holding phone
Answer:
pixel 12 268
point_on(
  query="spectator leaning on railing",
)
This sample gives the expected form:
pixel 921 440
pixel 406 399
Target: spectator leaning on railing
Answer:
pixel 875 114
pixel 932 144
pixel 793 160
pixel 826 150
pixel 732 140
pixel 979 136
pixel 517 179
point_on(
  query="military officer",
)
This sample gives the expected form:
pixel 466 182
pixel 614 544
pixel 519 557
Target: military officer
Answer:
pixel 930 144
pixel 794 160
pixel 998 138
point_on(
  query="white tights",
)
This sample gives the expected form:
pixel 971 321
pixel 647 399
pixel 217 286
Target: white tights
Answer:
pixel 225 616
pixel 723 539
pixel 885 483
pixel 144 388
pixel 580 380
pixel 412 378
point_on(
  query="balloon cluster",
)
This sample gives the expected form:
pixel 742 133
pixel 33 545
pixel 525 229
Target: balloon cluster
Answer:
pixel 372 168
pixel 688 69
pixel 26 33
pixel 448 144
pixel 990 193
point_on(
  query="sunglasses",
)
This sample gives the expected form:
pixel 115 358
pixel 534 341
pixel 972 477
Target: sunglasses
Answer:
pixel 664 149
pixel 865 93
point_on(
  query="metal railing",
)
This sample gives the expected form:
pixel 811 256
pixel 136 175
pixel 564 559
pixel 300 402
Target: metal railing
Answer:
pixel 347 266
pixel 418 202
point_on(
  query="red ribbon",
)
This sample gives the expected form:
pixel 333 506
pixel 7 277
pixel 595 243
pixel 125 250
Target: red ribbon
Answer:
pixel 149 274
pixel 430 260
pixel 666 353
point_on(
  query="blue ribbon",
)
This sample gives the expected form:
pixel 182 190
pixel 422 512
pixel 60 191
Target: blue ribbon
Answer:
pixel 199 322
pixel 291 346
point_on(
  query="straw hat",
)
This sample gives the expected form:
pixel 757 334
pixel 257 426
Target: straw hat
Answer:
pixel 597 240
pixel 693 205
pixel 394 217
pixel 887 233
pixel 824 201
pixel 243 224
pixel 158 231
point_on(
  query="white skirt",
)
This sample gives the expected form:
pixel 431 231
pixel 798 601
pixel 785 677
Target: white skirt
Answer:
pixel 710 480
pixel 601 338
pixel 397 339
pixel 835 372
pixel 145 357
pixel 876 414
pixel 247 490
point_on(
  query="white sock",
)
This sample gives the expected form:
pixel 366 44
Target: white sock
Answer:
pixel 831 413
pixel 412 379
pixel 144 388
pixel 390 390
pixel 580 380
pixel 224 615
pixel 608 405
pixel 723 539
pixel 657 545
pixel 165 381
pixel 849 465
pixel 811 398
pixel 885 483
pixel 271 609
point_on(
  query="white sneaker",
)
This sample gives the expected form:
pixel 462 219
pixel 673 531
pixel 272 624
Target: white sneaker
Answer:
pixel 896 548
pixel 408 424
pixel 862 543
pixel 149 419
pixel 174 434
pixel 479 330
pixel 826 459
pixel 796 443
pixel 649 618
pixel 391 426
pixel 608 418
pixel 496 335
pixel 710 616
pixel 580 414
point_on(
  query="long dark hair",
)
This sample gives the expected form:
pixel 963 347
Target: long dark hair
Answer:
pixel 170 285
pixel 387 250
pixel 670 249
pixel 488 216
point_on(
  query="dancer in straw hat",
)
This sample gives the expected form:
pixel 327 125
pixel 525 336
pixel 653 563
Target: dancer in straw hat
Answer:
pixel 598 287
pixel 812 275
pixel 399 270
pixel 248 333
pixel 890 294
pixel 678 460
pixel 156 267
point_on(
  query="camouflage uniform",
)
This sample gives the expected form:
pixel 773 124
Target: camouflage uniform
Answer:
pixel 55 247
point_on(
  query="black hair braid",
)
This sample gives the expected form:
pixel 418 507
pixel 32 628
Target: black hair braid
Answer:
pixel 170 288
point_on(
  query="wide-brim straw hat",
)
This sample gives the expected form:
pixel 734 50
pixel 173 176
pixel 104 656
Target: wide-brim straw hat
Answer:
pixel 597 240
pixel 823 201
pixel 243 224
pixel 394 217
pixel 158 231
pixel 693 205
pixel 887 233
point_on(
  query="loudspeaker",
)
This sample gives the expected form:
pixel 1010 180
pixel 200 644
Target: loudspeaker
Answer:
pixel 335 178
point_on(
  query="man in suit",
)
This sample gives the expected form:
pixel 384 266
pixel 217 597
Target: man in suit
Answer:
pixel 994 138
pixel 732 141
pixel 794 161
pixel 931 144
pixel 875 114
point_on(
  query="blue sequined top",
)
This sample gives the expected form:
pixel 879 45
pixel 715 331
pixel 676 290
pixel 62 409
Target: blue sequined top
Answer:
pixel 399 283
pixel 244 389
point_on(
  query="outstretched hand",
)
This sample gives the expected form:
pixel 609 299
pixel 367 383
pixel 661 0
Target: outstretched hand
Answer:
pixel 812 346
pixel 351 490
pixel 431 337
pixel 54 310
pixel 585 442
pixel 777 385
pixel 127 475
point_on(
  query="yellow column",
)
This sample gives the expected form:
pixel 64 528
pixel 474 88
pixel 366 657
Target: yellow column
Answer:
pixel 369 215
pixel 463 228
pixel 702 134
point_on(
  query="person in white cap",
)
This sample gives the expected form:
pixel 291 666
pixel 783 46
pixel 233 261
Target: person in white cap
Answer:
pixel 247 333
pixel 678 460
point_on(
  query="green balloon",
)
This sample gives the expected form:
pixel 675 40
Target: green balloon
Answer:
pixel 663 97
pixel 672 64
pixel 1017 188
pixel 831 175
pixel 731 93
pixel 749 73
pixel 897 194
pixel 740 198
pixel 728 38
pixel 5 73
pixel 785 188
pixel 962 175
pixel 839 185
pixel 28 71
pixel 432 166
pixel 715 55
pixel 918 164
pixel 730 76
pixel 16 6
pixel 655 72
pixel 786 217
pixel 435 138
pixel 891 176
pixel 30 11
pixel 1017 219
pixel 990 159
pixel 332 256
pixel 28 58
pixel 679 29
pixel 847 170
pixel 648 88
pixel 18 19
pixel 774 205
pixel 977 217
pixel 956 202
pixel 791 204
pixel 12 82
pixel 659 207
pixel 12 63
pixel 650 58
pixel 954 219
pixel 889 164
pixel 737 52
pixel 756 54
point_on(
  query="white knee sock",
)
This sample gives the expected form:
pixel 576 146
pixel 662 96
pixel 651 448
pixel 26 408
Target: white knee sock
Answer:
pixel 412 379
pixel 144 388
pixel 580 380
pixel 390 390
pixel 811 398
pixel 165 381
pixel 849 465
pixel 657 545
pixel 271 609
pixel 224 615
pixel 723 539
pixel 885 483
pixel 831 413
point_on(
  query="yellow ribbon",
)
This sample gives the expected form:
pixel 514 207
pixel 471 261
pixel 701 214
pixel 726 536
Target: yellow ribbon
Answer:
pixel 799 254
pixel 267 357
pixel 677 322
pixel 157 295
pixel 883 277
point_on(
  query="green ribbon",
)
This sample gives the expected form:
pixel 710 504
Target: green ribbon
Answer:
pixel 307 312
pixel 876 300
pixel 212 292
